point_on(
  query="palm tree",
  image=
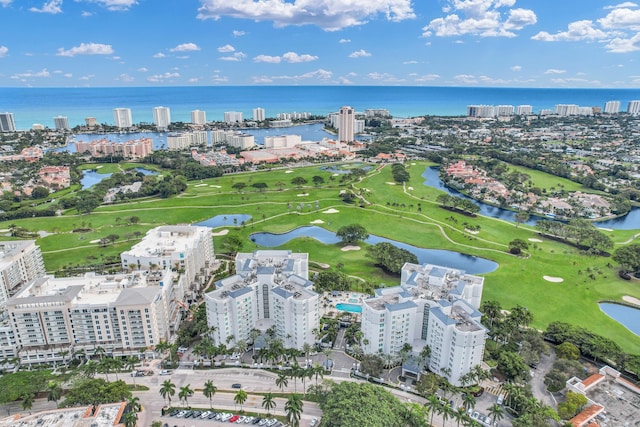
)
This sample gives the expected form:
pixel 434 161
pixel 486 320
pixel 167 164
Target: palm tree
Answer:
pixel 134 404
pixel 282 381
pixel 130 363
pixel 27 401
pixel 240 398
pixel 293 408
pixel 295 373
pixel 318 371
pixel 167 390
pixel 55 392
pixel 268 403
pixel 184 393
pixel 496 412
pixel 468 400
pixel 433 405
pixel 446 411
pixel 90 368
pixel 209 390
pixel 130 419
pixel 459 415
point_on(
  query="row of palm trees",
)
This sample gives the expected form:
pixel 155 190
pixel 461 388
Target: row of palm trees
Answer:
pixel 435 405
pixel 293 406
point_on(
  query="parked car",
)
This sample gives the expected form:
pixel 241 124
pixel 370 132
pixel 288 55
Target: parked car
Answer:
pixel 236 385
pixel 164 372
pixel 249 420
pixel 234 418
pixel 241 419
pixel 313 422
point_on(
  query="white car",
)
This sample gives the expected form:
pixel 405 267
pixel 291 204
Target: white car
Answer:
pixel 205 414
pixel 313 422
pixel 249 420
pixel 241 419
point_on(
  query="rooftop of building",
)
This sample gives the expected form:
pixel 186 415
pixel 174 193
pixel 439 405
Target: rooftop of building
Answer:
pixel 122 289
pixel 11 248
pixel 424 281
pixel 105 415
pixel 166 240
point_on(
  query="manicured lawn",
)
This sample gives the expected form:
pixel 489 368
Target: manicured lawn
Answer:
pixel 406 213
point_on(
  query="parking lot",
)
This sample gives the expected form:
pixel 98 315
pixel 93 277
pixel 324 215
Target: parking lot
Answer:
pixel 209 418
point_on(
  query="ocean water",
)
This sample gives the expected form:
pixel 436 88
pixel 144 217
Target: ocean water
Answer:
pixel 40 105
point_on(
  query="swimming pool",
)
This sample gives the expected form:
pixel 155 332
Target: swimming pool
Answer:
pixel 351 308
pixel 353 300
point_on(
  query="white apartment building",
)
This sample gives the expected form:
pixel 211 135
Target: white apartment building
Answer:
pixel 20 262
pixel 282 141
pixel 419 312
pixel 52 318
pixel 567 109
pixel 61 122
pixel 258 114
pixel 185 248
pixel 122 118
pixel 198 117
pixel 233 117
pixel 269 290
pixel 183 141
pixel 524 110
pixel 504 110
pixel 376 112
pixel 293 116
pixel 284 123
pixel 7 122
pixel 162 117
pixel 346 124
pixel 612 107
pixel 481 111
pixel 90 121
pixel 242 141
pixel 633 108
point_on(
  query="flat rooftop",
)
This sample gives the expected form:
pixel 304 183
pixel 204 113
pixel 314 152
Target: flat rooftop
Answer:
pixel 106 416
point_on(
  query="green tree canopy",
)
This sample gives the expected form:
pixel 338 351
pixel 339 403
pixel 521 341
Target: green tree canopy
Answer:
pixel 96 390
pixel 352 233
pixel 390 257
pixel 628 257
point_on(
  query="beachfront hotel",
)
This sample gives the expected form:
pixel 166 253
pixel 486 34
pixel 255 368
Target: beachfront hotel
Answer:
pixel 269 290
pixel 198 117
pixel 185 248
pixel 162 117
pixel 7 123
pixel 433 306
pixel 346 124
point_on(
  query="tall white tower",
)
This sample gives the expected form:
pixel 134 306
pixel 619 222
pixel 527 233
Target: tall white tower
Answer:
pixel 7 124
pixel 612 107
pixel 346 127
pixel 161 117
pixel 122 117
pixel 198 117
pixel 61 122
pixel 258 114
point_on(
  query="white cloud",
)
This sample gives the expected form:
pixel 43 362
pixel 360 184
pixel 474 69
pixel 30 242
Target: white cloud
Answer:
pixel 379 76
pixel 29 74
pixel 466 78
pixel 185 47
pixel 126 78
pixel 621 45
pixel 427 78
pixel 293 57
pixel 217 78
pixel 261 80
pixel 579 30
pixel 193 80
pixel 142 70
pixel 226 48
pixel 5 3
pixel 330 15
pixel 87 49
pixel 359 54
pixel 555 71
pixel 159 78
pixel 319 74
pixel 237 56
pixel 482 18
pixel 410 62
pixel 86 14
pixel 344 41
pixel 159 55
pixel 115 4
pixel 52 7
pixel 87 77
pixel 619 19
pixel 3 51
pixel 621 5
pixel 238 33
pixel 268 59
pixel 68 75
pixel 516 68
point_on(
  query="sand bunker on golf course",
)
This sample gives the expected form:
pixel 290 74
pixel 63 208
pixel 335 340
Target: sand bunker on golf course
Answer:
pixel 535 240
pixel 350 248
pixel 220 233
pixel 331 211
pixel 632 300
pixel 317 221
pixel 553 279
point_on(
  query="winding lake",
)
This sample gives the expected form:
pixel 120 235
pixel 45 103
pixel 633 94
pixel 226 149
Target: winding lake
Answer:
pixel 631 221
pixel 629 317
pixel 91 178
pixel 469 263
pixel 230 220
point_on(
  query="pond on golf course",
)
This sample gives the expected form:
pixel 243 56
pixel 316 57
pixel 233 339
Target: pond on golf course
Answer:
pixel 629 317
pixel 469 263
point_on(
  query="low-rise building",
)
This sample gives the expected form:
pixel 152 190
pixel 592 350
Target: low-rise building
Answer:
pixel 270 290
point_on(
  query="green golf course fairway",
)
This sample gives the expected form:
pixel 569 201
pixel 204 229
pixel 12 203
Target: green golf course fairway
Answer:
pixel 406 213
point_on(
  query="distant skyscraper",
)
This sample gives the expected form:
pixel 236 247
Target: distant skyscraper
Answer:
pixel 233 117
pixel 61 122
pixel 90 121
pixel 258 114
pixel 524 110
pixel 7 124
pixel 122 117
pixel 612 107
pixel 198 117
pixel 347 121
pixel 162 117
pixel 634 108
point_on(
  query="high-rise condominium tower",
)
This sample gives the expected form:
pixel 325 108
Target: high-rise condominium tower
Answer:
pixel 198 117
pixel 122 117
pixel 7 124
pixel 61 122
pixel 162 117
pixel 346 120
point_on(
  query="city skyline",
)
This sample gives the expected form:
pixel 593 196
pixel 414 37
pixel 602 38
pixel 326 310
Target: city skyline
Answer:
pixel 503 43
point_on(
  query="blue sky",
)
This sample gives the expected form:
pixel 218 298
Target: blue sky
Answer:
pixel 510 43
